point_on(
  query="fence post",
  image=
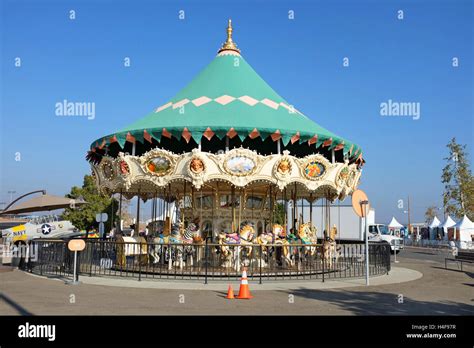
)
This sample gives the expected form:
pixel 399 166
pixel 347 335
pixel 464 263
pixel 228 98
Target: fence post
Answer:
pixel 376 254
pixel 206 260
pixel 140 263
pixel 91 256
pixel 323 268
pixel 40 257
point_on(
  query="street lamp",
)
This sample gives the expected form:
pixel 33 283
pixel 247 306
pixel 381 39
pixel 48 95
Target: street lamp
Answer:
pixel 365 205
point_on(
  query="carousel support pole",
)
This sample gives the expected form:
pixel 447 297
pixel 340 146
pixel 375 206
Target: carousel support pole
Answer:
pixel 278 147
pixel 152 215
pixel 302 210
pixel 156 209
pixel 271 208
pixel 206 261
pixel 162 207
pixel 120 213
pixel 168 214
pixel 137 225
pixel 232 197
pixel 251 212
pixel 184 204
pixel 311 209
pixel 285 214
pixel 155 213
pixel 293 213
pixel 295 210
pixel 213 200
pixel 333 156
pixel 134 147
pixel 240 210
pixel 226 143
pixel 111 218
pixel 140 262
pixel 200 214
pixel 329 214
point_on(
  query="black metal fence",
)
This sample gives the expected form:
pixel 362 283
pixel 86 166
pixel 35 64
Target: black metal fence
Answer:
pixel 208 261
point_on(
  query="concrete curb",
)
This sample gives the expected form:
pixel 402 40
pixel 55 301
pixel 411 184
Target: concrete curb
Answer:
pixel 397 275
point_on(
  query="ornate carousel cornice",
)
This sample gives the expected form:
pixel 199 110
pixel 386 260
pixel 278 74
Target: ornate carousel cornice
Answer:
pixel 155 170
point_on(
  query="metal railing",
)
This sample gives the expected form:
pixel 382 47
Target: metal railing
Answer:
pixel 209 261
pixel 438 244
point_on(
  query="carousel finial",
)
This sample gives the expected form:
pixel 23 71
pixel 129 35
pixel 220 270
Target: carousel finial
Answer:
pixel 229 44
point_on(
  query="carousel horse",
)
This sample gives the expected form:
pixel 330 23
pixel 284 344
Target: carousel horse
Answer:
pixel 243 243
pixel 307 235
pixel 330 249
pixel 280 239
pixel 131 246
pixel 263 240
pixel 276 237
pixel 191 236
pixel 157 240
pixel 168 245
pixel 225 241
pixel 180 251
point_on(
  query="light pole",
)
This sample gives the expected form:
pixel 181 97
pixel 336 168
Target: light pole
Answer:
pixel 365 204
pixel 11 195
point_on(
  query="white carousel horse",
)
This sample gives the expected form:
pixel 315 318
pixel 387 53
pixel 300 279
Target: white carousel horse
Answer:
pixel 157 244
pixel 168 246
pixel 131 246
pixel 331 252
pixel 157 247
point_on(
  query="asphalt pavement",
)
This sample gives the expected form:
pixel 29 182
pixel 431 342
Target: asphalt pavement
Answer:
pixel 437 292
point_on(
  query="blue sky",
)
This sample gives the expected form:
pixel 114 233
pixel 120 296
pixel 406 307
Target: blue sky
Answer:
pixel 407 60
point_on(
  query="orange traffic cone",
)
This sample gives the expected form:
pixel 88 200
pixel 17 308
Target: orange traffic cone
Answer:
pixel 244 291
pixel 230 293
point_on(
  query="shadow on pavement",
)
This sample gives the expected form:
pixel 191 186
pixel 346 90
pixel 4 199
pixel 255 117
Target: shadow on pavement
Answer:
pixel 375 303
pixel 21 310
pixel 469 274
pixel 425 252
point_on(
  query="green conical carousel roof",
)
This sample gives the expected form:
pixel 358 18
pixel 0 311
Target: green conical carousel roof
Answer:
pixel 228 98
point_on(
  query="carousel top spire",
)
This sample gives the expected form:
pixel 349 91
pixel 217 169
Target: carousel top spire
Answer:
pixel 229 45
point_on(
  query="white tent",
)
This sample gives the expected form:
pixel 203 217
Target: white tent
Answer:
pixel 435 223
pixel 466 231
pixel 448 223
pixel 435 228
pixel 395 224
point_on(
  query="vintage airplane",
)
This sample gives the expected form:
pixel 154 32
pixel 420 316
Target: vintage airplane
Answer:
pixel 48 226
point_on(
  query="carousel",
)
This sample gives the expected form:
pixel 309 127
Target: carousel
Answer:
pixel 224 163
